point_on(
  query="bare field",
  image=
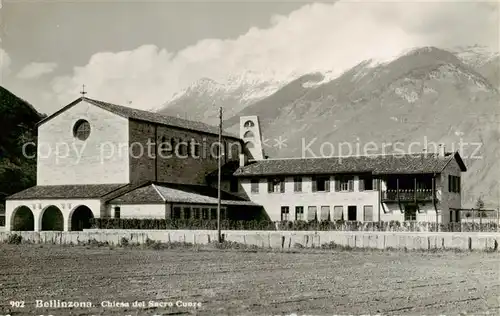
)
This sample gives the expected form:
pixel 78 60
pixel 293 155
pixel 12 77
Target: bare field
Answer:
pixel 249 283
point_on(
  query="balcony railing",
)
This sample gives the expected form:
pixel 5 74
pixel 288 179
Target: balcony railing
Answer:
pixel 407 195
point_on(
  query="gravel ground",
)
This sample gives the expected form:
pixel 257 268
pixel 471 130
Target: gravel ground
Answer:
pixel 247 283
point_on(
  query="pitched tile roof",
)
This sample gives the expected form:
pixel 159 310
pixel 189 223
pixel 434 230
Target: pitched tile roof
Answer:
pixel 145 194
pixel 178 193
pixel 67 191
pixel 382 164
pixel 227 170
pixel 147 116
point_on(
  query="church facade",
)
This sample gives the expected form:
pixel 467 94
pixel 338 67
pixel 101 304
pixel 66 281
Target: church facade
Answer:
pixel 97 159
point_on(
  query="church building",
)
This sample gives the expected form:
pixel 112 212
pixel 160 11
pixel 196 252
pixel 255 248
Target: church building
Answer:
pixel 97 159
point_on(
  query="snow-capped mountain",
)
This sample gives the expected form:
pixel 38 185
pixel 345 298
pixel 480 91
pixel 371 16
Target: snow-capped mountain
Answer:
pixel 476 55
pixel 483 60
pixel 203 98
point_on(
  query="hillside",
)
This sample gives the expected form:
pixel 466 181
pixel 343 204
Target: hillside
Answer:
pixel 17 121
pixel 426 94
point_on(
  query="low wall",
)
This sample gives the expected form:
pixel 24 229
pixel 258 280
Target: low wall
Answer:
pixel 279 239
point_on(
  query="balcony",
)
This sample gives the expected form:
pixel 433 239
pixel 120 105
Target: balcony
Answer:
pixel 419 195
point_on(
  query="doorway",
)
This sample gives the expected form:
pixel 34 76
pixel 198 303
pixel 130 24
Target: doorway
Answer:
pixel 352 211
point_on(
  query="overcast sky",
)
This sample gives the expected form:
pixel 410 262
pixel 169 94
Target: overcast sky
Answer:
pixel 146 51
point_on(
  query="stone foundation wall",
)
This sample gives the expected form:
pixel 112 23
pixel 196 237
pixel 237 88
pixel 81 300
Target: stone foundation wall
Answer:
pixel 279 239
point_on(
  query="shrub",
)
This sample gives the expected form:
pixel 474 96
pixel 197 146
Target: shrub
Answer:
pixel 233 245
pixel 124 242
pixel 332 245
pixel 94 243
pixel 14 239
pixel 173 224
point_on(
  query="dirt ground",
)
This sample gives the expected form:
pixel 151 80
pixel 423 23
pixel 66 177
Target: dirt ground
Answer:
pixel 246 283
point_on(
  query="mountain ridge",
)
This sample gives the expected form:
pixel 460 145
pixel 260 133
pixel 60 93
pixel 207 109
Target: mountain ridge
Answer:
pixel 18 119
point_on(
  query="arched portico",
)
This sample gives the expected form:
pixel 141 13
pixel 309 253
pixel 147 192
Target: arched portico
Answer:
pixel 22 219
pixel 79 218
pixel 51 218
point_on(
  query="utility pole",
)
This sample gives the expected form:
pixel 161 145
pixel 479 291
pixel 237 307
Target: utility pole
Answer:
pixel 219 159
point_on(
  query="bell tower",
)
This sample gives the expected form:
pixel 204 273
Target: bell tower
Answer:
pixel 251 134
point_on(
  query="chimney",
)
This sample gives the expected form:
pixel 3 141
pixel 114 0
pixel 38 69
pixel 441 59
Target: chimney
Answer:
pixel 441 150
pixel 243 160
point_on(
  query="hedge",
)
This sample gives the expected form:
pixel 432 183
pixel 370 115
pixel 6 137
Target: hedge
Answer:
pixel 153 224
pixel 113 223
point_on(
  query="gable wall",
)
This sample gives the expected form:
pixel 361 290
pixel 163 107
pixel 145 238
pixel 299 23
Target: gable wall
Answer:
pixel 449 199
pixel 63 159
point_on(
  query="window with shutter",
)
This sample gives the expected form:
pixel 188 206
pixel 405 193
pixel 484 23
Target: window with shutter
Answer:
pixel 366 183
pixel 325 213
pixel 410 213
pixel 299 213
pixel 254 185
pixel 297 184
pixel 276 185
pixel 177 213
pixel 285 213
pixel 311 213
pixel 187 213
pixel 322 184
pixel 368 213
pixel 344 183
pixel 205 213
pixel 351 185
pixel 197 150
pixel 338 213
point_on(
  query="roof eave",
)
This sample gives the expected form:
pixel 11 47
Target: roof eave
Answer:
pixel 48 118
pixel 458 159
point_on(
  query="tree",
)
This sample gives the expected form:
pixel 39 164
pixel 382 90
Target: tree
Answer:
pixel 479 203
pixel 480 207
